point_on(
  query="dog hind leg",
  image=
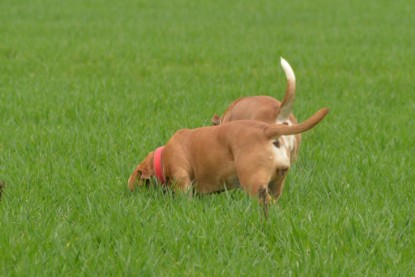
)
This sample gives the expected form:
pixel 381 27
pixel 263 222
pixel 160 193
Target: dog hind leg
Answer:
pixel 276 187
pixel 260 190
pixel 264 200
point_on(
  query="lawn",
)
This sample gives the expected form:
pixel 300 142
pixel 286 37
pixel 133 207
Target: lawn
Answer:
pixel 88 88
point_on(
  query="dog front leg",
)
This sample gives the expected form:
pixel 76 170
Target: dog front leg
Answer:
pixel 182 183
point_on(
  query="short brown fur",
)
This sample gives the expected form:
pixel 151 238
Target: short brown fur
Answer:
pixel 234 154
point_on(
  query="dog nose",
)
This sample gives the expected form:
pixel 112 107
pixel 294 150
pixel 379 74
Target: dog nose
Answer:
pixel 282 171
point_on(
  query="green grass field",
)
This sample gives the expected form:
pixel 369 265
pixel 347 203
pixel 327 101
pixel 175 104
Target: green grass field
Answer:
pixel 88 88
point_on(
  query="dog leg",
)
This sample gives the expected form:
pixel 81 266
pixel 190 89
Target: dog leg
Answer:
pixel 264 200
pixel 276 187
pixel 259 190
pixel 182 183
pixel 254 180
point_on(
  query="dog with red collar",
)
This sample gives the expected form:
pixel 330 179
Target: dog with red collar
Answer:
pixel 243 153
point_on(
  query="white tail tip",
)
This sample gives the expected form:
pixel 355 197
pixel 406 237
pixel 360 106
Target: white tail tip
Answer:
pixel 289 73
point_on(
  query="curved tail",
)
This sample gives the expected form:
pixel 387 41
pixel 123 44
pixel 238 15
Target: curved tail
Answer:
pixel 277 130
pixel 287 103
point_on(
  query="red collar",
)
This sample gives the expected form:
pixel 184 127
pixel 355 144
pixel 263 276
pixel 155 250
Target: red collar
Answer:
pixel 158 165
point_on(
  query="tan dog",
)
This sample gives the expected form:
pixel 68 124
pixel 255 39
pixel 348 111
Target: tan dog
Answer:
pixel 245 153
pixel 269 110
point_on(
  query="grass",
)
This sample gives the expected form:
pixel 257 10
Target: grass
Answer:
pixel 87 88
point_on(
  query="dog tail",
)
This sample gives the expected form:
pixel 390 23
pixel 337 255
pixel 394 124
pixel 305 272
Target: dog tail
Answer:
pixel 277 130
pixel 287 104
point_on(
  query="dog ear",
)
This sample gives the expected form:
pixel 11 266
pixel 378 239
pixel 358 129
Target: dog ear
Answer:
pixel 137 176
pixel 276 130
pixel 143 171
pixel 215 119
pixel 287 104
pixel 133 178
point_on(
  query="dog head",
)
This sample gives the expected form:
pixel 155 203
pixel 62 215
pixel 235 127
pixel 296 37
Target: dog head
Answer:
pixel 280 134
pixel 143 172
pixel 282 149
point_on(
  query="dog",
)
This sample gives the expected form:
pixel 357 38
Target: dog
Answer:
pixel 244 153
pixel 269 110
